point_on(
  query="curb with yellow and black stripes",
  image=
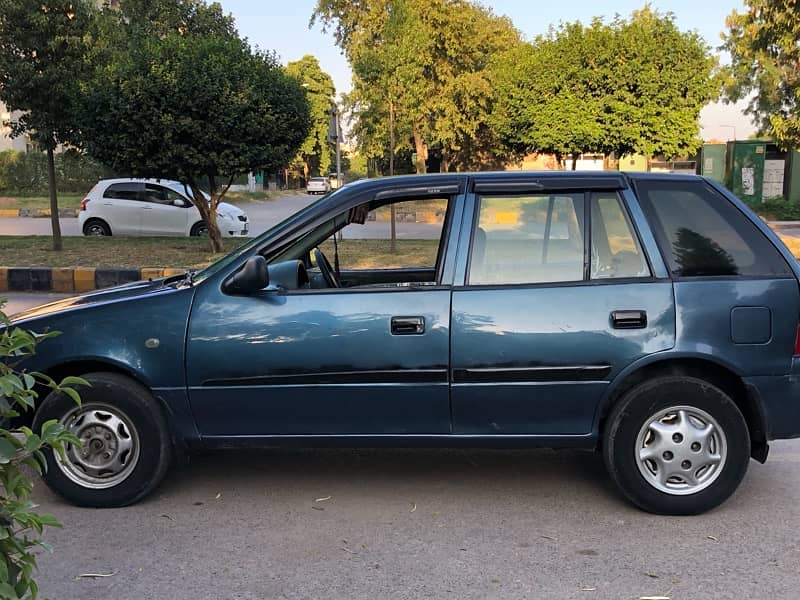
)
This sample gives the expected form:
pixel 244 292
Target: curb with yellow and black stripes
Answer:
pixel 36 213
pixel 47 279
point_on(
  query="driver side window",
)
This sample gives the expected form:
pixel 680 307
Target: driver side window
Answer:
pixel 368 246
pixel 377 244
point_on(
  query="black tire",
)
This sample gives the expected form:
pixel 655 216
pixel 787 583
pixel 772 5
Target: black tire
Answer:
pixel 642 405
pixel 96 227
pixel 199 229
pixel 115 394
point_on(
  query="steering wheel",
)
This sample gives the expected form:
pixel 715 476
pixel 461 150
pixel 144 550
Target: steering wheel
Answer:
pixel 325 268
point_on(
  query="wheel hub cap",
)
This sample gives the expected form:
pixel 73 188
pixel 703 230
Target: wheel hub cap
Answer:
pixel 109 447
pixel 681 450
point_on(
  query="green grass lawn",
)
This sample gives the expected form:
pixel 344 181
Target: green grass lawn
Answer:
pixel 64 201
pixel 35 251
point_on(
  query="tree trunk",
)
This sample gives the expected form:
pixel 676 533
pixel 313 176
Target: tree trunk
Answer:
pixel 208 211
pixel 445 165
pixel 574 161
pixel 422 152
pixel 51 184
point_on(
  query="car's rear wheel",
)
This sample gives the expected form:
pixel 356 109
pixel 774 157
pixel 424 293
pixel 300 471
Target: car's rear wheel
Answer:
pixel 125 444
pixel 676 445
pixel 199 229
pixel 96 227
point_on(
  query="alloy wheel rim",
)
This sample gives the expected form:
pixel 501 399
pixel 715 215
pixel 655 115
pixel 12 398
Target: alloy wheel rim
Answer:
pixel 96 230
pixel 109 450
pixel 681 450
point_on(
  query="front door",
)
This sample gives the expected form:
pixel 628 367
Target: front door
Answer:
pixel 558 299
pixel 318 360
pixel 160 213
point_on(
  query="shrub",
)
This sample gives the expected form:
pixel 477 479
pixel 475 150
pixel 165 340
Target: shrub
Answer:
pixel 20 453
pixel 776 209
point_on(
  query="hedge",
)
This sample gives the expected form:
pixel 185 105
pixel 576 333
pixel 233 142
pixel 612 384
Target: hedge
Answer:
pixel 25 173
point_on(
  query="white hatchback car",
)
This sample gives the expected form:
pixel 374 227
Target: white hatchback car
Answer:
pixel 152 207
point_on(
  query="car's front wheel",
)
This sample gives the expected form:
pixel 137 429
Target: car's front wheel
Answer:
pixel 676 445
pixel 125 444
pixel 199 229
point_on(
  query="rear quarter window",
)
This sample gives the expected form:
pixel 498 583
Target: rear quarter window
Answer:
pixel 123 191
pixel 702 234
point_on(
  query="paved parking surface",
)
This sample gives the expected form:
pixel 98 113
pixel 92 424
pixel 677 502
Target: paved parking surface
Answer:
pixel 423 524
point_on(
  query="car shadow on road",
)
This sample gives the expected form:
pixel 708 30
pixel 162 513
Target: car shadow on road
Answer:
pixel 534 474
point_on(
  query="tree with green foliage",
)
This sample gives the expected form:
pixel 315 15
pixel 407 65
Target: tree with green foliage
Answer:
pixel 320 91
pixel 420 75
pixel 44 46
pixel 551 95
pixel 764 43
pixel 177 94
pixel 20 455
pixel 630 86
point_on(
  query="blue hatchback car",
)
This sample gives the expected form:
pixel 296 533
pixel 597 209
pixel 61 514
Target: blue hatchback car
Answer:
pixel 652 317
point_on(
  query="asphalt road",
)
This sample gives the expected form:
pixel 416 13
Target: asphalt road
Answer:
pixel 263 215
pixel 420 524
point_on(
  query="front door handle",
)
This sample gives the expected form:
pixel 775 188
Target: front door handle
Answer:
pixel 629 319
pixel 408 325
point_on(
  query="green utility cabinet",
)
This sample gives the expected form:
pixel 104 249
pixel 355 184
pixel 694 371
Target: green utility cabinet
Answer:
pixel 712 161
pixel 791 183
pixel 744 173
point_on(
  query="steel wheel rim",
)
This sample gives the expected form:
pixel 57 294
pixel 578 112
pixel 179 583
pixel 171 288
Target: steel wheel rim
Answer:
pixel 96 229
pixel 681 450
pixel 110 447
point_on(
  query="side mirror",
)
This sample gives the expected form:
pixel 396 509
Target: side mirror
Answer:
pixel 180 203
pixel 252 277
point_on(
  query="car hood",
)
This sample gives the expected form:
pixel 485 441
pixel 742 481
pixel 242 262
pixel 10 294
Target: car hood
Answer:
pixel 229 209
pixel 115 294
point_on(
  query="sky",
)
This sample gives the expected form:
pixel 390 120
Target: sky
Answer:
pixel 283 26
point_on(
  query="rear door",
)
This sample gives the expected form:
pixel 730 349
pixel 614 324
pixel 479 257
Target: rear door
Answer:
pixel 122 207
pixel 557 297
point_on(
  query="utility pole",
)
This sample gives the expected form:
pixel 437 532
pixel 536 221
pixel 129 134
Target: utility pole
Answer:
pixel 338 146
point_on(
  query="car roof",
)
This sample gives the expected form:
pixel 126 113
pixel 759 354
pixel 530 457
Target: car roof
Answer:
pixel 165 182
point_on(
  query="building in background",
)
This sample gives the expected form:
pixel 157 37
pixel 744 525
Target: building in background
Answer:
pixel 6 141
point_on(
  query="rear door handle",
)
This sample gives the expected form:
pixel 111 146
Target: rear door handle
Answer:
pixel 408 325
pixel 629 319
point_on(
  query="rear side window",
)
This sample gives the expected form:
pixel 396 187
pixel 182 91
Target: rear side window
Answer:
pixel 703 235
pixel 123 191
pixel 528 239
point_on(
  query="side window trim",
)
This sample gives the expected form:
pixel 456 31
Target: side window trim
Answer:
pixel 646 235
